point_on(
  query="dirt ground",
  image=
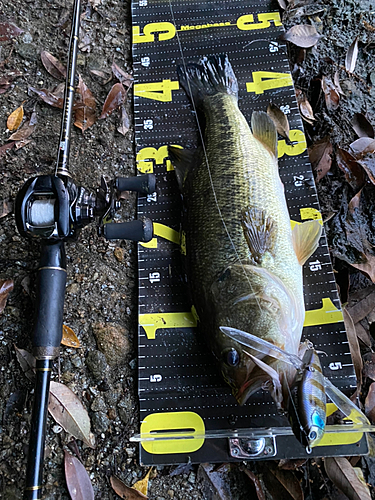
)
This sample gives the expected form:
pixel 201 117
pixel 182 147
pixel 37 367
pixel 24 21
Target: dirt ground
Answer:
pixel 101 295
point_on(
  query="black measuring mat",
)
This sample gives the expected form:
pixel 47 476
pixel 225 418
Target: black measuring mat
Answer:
pixel 180 387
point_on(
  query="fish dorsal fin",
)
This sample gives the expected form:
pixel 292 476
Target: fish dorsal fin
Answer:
pixel 306 238
pixel 259 231
pixel 264 130
pixel 183 161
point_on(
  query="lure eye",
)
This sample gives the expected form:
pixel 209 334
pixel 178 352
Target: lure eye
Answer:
pixel 312 435
pixel 231 357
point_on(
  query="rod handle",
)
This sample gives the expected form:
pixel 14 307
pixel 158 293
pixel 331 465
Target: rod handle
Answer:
pixel 145 184
pixel 136 230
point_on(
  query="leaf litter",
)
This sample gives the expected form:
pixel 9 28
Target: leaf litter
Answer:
pixel 77 479
pixel 343 475
pixel 123 491
pixel 54 67
pixel 115 98
pixel 6 286
pixel 69 338
pixel 15 119
pixel 302 35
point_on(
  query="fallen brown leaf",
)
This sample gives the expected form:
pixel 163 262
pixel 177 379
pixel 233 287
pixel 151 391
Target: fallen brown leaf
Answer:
pixel 103 76
pixel 355 202
pixel 282 483
pixel 85 115
pixel 23 142
pixel 69 338
pixel 53 65
pixel 69 412
pixel 23 133
pixel 124 491
pixel 305 107
pixel 6 206
pixel 256 482
pixel 6 286
pixel 354 173
pixel 77 479
pixel 302 35
pixel 320 157
pixel 367 267
pixel 53 97
pixel 9 31
pixel 362 127
pixel 343 475
pixel 369 366
pixel 142 484
pixel 6 147
pixel 351 56
pixel 354 347
pixel 363 335
pixel 125 122
pixel 27 362
pixel 121 75
pixel 362 146
pixel 115 99
pixel 280 120
pixel 368 164
pixel 15 119
pixel 336 81
pixel 331 94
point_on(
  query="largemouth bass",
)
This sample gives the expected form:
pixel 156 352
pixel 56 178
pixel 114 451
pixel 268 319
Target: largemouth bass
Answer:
pixel 244 263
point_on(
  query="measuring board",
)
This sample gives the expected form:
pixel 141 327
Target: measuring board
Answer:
pixel 181 391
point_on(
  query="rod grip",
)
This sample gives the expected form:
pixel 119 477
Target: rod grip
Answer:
pixel 51 284
pixel 136 230
pixel 145 184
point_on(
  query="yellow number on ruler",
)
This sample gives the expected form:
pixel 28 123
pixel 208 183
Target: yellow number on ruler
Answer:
pixel 247 22
pixel 299 146
pixel 341 438
pixel 153 321
pixel 165 31
pixel 146 155
pixel 327 314
pixel 189 424
pixel 308 213
pixel 164 232
pixel 158 91
pixel 268 80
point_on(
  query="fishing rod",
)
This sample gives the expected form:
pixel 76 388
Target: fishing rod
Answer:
pixel 52 209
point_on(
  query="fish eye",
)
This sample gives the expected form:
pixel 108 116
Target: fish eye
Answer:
pixel 231 357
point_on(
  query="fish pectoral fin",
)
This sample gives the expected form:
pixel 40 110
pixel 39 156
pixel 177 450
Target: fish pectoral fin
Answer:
pixel 305 239
pixel 264 130
pixel 183 161
pixel 275 390
pixel 259 231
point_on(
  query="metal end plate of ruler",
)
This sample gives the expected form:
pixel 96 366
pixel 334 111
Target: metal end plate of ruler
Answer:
pixel 180 388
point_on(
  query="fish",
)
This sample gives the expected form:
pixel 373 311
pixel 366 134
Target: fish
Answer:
pixel 308 391
pixel 243 261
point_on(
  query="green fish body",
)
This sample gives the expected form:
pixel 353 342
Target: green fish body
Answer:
pixel 243 261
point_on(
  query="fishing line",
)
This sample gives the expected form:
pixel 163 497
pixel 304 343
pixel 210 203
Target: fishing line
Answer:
pixel 206 158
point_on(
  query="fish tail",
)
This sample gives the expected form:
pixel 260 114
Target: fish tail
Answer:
pixel 212 75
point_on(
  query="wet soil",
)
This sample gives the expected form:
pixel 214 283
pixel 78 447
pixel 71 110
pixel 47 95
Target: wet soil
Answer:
pixel 101 295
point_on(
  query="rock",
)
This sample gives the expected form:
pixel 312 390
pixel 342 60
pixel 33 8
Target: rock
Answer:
pixel 96 362
pixel 28 51
pixel 98 404
pixel 112 340
pixel 100 421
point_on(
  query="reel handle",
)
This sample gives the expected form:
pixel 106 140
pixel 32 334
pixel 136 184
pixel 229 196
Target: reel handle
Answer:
pixel 136 230
pixel 145 184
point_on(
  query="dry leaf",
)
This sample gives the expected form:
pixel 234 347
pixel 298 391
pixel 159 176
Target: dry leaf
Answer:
pixel 23 133
pixel 69 338
pixel 256 482
pixel 53 65
pixel 305 107
pixel 331 94
pixel 369 365
pixel 370 403
pixel 354 347
pixel 302 35
pixel 363 335
pixel 6 147
pixel 336 81
pixel 6 286
pixel 24 142
pixel 367 267
pixel 125 122
pixel 142 484
pixel 282 483
pixel 53 97
pixel 280 120
pixel 6 206
pixel 85 115
pixel 103 76
pixel 320 157
pixel 291 464
pixel 343 475
pixel 362 126
pixel 282 4
pixel 9 31
pixel 15 118
pixel 27 362
pixel 363 146
pixel 121 75
pixel 69 412
pixel 77 479
pixel 124 491
pixel 351 56
pixel 354 173
pixel 115 98
pixel 368 164
pixel 355 202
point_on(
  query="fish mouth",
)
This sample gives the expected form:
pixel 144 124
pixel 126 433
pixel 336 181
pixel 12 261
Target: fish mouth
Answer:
pixel 244 392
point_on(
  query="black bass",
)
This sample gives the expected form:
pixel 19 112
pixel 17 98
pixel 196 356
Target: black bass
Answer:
pixel 244 263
